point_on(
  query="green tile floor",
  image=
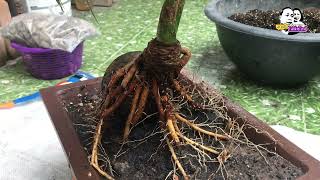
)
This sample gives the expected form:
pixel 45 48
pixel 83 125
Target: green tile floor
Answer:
pixel 129 25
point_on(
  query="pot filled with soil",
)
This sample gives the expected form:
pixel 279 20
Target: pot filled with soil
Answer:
pixel 258 152
pixel 247 32
pixel 148 118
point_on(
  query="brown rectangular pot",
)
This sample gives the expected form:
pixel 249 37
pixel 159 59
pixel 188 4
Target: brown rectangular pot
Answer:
pixel 77 157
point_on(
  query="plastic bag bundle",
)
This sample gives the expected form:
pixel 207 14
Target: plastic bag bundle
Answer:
pixel 48 31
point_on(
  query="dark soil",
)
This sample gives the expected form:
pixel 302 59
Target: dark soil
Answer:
pixel 269 19
pixel 150 159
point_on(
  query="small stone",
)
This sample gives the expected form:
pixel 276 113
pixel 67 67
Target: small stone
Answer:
pixel 80 104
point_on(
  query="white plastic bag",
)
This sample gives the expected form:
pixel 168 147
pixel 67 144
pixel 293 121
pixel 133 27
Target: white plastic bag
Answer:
pixel 48 31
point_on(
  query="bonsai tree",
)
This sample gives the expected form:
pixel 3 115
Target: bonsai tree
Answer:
pixel 151 76
pixel 188 116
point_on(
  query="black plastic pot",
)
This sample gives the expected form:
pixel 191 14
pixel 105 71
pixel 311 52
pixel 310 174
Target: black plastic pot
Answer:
pixel 264 55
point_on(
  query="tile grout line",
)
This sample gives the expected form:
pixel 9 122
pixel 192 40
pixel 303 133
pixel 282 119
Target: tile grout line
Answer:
pixel 303 115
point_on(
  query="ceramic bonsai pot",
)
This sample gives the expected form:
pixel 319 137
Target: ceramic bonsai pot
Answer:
pixel 53 98
pixel 264 55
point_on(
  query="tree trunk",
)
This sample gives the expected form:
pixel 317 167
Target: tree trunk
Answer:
pixel 169 21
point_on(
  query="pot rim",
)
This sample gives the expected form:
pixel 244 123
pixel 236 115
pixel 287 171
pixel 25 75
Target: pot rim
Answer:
pixel 212 12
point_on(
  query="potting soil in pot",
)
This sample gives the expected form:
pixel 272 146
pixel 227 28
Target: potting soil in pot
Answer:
pixel 146 155
pixel 269 19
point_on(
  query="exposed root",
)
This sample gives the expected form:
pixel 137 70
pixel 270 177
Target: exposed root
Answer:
pixel 136 109
pixel 102 172
pixel 115 78
pixel 171 129
pixel 157 97
pixel 211 140
pixel 132 112
pixel 181 90
pixel 186 56
pixel 119 100
pixel 94 155
pixel 120 73
pixel 185 94
pixel 129 76
pixel 107 101
pixel 223 156
pixel 141 106
pixel 189 141
pixel 195 127
pixel 176 127
pixel 176 160
pixel 105 113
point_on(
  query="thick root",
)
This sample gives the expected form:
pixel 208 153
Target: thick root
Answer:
pixel 105 113
pixel 172 130
pixel 141 106
pixel 176 160
pixel 136 109
pixel 118 102
pixel 186 56
pixel 108 99
pixel 115 78
pixel 176 127
pixel 94 154
pixel 121 73
pixel 157 97
pixel 129 76
pixel 132 112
